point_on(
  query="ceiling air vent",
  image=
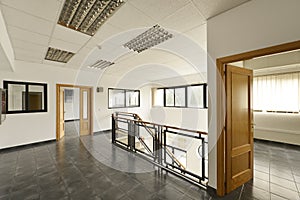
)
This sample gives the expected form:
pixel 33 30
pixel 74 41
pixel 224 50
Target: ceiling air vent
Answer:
pixel 101 64
pixel 58 55
pixel 152 37
pixel 87 16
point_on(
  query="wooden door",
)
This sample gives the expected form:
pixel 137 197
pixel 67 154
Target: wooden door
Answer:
pixel 85 111
pixel 238 127
pixel 62 113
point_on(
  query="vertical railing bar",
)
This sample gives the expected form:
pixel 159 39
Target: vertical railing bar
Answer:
pixel 203 160
pixel 159 144
pixel 113 136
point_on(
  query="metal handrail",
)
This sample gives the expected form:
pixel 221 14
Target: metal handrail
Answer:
pixel 165 126
pixel 145 123
pixel 161 152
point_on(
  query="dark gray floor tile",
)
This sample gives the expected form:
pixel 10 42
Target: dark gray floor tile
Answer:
pixel 261 175
pixel 128 184
pixel 256 193
pixel 140 192
pixel 284 192
pixel 276 197
pixel 297 178
pixel 25 194
pixel 169 192
pixel 261 184
pixel 283 182
pixel 286 174
pixel 67 170
pixel 113 193
pixel 264 169
pixel 87 194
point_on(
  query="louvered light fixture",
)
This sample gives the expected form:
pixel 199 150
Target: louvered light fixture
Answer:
pixel 101 64
pixel 58 55
pixel 153 36
pixel 87 16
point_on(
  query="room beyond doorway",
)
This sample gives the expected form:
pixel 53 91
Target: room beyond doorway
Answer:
pixel 64 112
pixel 71 111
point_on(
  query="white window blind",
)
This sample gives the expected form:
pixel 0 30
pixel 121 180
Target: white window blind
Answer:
pixel 277 92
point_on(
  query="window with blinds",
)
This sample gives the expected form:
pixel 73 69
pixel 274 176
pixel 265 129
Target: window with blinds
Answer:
pixel 277 93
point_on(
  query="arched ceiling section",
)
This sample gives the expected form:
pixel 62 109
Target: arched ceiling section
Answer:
pixel 181 55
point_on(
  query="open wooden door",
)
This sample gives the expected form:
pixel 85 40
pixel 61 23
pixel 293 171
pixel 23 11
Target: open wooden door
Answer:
pixel 85 111
pixel 62 113
pixel 239 127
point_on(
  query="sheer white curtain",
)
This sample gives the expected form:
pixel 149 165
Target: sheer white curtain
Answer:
pixel 277 92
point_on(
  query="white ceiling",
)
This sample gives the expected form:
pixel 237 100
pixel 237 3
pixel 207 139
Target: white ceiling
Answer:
pixel 32 27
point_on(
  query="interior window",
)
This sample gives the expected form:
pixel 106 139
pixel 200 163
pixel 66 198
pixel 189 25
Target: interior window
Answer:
pixel 23 97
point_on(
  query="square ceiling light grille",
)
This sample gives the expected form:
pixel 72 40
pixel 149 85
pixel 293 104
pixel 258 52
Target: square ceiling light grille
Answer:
pixel 58 55
pixel 101 64
pixel 87 16
pixel 152 37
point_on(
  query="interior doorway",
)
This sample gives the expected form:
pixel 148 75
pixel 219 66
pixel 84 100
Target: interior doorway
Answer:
pixel 224 161
pixel 73 111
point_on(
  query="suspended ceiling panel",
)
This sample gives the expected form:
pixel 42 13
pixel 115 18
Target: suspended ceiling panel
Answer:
pixel 28 46
pixel 69 35
pixel 106 31
pixel 32 25
pixel 158 9
pixel 44 9
pixel 184 19
pixel 129 17
pixel 27 36
pixel 20 19
pixel 67 46
pixel 34 56
pixel 210 8
pixel 198 35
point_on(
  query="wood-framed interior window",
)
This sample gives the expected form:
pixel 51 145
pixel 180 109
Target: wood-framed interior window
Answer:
pixel 25 97
pixel 123 98
pixel 187 96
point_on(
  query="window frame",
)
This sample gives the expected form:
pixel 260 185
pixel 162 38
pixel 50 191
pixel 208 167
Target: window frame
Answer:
pixel 26 84
pixel 125 96
pixel 205 95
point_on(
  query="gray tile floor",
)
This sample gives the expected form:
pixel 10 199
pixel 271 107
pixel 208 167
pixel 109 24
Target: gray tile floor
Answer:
pixel 72 128
pixel 79 168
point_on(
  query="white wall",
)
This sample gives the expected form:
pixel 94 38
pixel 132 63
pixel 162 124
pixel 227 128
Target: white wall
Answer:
pixel 6 51
pixel 253 25
pixel 19 129
pixel 180 117
pixel 72 107
pixel 277 127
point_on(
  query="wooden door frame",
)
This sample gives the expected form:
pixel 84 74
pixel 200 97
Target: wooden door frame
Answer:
pixel 58 87
pixel 221 62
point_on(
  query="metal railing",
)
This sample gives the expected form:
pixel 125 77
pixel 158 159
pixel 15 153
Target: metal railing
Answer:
pixel 180 151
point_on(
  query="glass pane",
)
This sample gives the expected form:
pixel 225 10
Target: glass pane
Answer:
pixel 180 97
pixel 36 97
pixel 116 98
pixel 158 97
pixel 195 96
pixel 85 104
pixel 16 97
pixel 132 98
pixel 169 97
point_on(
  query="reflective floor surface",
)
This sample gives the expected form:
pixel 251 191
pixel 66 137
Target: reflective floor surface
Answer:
pixel 91 167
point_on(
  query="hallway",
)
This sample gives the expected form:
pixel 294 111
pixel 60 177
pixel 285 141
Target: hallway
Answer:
pixel 79 168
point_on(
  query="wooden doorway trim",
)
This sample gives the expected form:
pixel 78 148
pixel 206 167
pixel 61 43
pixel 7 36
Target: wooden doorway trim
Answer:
pixel 221 62
pixel 58 89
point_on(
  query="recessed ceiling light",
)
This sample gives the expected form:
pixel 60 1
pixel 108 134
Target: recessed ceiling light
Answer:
pixel 87 16
pixel 58 55
pixel 152 37
pixel 101 64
